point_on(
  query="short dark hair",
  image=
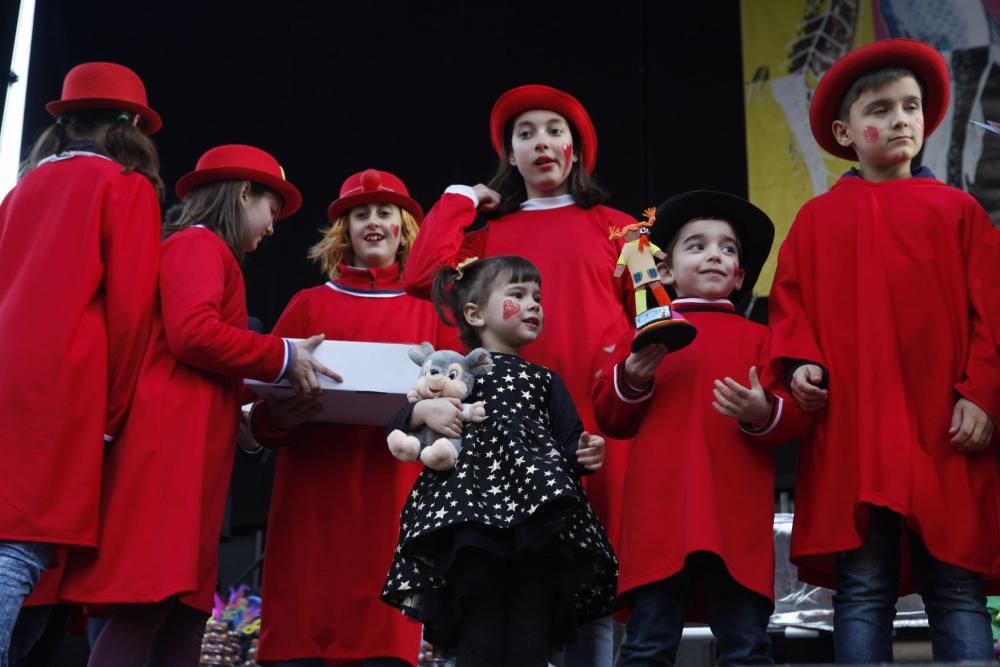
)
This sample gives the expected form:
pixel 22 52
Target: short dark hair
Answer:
pixel 873 80
pixel 509 183
pixel 453 289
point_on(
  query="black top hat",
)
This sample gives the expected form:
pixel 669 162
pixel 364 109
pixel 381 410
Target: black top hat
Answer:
pixel 754 229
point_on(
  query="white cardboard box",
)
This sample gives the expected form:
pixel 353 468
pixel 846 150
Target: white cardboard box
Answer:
pixel 376 379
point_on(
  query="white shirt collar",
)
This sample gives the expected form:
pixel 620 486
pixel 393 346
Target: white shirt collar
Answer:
pixel 545 203
pixel 692 299
pixel 67 155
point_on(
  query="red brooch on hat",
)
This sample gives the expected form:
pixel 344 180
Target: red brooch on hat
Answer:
pixel 373 186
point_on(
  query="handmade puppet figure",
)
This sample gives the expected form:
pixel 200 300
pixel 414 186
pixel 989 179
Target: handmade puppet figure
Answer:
pixel 443 374
pixel 639 255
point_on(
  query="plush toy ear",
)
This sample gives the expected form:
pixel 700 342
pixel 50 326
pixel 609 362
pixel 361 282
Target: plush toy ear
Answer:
pixel 418 355
pixel 479 362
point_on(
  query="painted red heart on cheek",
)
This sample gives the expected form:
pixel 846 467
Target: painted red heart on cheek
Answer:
pixel 395 230
pixel 510 309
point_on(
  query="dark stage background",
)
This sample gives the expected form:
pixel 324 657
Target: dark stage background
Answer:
pixel 332 88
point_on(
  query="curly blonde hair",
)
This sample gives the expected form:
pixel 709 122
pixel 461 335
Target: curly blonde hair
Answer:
pixel 336 243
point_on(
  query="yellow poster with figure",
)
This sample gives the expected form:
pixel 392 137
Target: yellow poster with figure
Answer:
pixel 789 44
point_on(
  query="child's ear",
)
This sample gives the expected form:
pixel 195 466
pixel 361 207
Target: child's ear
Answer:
pixel 472 315
pixel 740 275
pixel 511 159
pixel 842 133
pixel 666 275
pixel 245 192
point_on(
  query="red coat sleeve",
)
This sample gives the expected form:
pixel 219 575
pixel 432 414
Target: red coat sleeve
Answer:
pixel 981 383
pixel 193 275
pixel 130 249
pixel 792 332
pixel 442 241
pixel 293 323
pixel 619 408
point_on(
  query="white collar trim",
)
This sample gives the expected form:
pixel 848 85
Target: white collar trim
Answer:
pixel 68 155
pixel 692 299
pixel 545 203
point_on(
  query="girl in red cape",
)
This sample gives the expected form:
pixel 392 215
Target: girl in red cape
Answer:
pixel 544 205
pixel 79 246
pixel 167 474
pixel 337 491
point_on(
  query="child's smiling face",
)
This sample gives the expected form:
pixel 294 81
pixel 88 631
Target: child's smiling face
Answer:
pixel 704 261
pixel 511 317
pixel 885 125
pixel 374 231
pixel 542 151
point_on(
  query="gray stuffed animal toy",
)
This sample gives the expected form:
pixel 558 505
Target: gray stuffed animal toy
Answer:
pixel 443 374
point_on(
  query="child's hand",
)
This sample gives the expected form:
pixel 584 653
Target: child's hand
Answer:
pixel 443 415
pixel 640 367
pixel 488 199
pixel 805 387
pixel 971 428
pixel 302 374
pixel 590 452
pixel 288 413
pixel 749 405
pixel 477 411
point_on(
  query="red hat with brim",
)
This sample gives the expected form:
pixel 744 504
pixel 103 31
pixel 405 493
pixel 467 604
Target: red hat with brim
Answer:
pixel 237 162
pixel 525 98
pixel 373 186
pixel 918 57
pixel 105 86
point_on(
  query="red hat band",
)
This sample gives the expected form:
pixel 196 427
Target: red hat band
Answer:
pixel 373 186
pixel 100 85
pixel 534 96
pixel 240 162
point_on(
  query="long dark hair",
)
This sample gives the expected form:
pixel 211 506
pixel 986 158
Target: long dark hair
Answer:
pixel 453 288
pixel 217 206
pixel 509 183
pixel 110 131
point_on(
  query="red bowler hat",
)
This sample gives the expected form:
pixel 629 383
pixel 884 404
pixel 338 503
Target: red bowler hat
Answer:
pixel 105 86
pixel 236 162
pixel 918 57
pixel 369 186
pixel 534 96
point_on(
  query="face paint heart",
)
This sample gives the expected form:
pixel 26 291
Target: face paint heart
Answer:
pixel 510 309
pixel 395 230
pixel 871 134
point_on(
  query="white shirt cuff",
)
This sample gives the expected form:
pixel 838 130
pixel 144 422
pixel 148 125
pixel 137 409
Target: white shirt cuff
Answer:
pixel 465 191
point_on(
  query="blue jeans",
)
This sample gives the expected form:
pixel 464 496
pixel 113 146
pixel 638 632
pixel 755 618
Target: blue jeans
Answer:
pixel 738 617
pixel 594 645
pixel 21 563
pixel 864 605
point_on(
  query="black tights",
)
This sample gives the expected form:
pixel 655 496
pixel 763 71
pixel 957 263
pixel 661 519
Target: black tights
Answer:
pixel 505 622
pixel 162 634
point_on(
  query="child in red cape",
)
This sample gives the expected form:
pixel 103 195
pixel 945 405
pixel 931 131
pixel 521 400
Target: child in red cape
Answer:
pixel 879 324
pixel 167 475
pixel 699 490
pixel 79 247
pixel 337 492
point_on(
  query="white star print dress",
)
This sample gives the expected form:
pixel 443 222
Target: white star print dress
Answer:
pixel 515 491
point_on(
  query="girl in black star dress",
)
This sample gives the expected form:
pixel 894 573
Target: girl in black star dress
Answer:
pixel 502 557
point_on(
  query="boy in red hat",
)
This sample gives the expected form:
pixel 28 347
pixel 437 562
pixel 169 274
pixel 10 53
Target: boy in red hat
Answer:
pixel 79 246
pixel 879 325
pixel 690 463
